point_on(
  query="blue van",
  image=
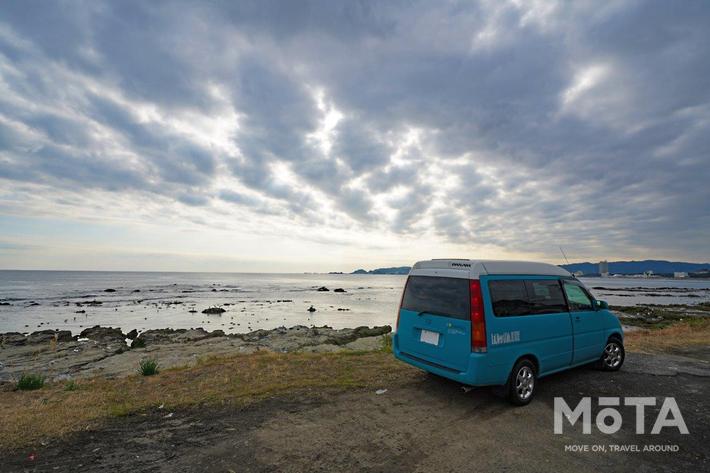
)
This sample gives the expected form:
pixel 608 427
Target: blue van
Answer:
pixel 502 323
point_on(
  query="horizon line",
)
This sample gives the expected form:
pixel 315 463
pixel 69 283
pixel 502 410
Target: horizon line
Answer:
pixel 301 272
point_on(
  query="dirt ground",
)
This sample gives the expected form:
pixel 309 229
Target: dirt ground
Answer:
pixel 421 423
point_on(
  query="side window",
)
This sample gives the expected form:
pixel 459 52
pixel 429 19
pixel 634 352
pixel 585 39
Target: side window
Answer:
pixel 509 298
pixel 578 299
pixel 545 296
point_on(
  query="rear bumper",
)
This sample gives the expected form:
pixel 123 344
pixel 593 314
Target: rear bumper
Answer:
pixel 475 374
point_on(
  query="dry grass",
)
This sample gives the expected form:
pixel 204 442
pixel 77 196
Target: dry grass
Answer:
pixel 28 417
pixel 677 336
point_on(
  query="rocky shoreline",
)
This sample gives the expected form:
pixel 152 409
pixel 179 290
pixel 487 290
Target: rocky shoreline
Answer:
pixel 107 351
pixel 657 316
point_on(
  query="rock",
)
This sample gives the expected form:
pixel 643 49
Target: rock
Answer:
pixel 132 334
pixel 176 348
pixel 167 335
pixel 5 303
pixel 254 336
pixel 214 310
pixel 311 309
pixel 322 289
pixel 136 290
pixel 41 336
pixel 13 338
pixel 340 289
pixel 320 339
pixel 345 336
pixel 297 328
pixel 80 312
pixel 372 331
pixel 104 334
pixel 46 336
pixel 64 336
pixel 109 290
pixel 192 311
pixel 151 337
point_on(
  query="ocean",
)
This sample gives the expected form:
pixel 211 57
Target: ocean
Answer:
pixel 74 300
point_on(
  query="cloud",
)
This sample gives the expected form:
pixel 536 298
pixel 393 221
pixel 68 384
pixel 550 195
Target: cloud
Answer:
pixel 6 246
pixel 518 125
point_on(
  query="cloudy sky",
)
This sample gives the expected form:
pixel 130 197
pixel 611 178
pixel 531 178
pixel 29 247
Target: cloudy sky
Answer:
pixel 312 136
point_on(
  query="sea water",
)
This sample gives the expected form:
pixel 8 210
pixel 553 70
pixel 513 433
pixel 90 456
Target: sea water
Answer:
pixel 74 300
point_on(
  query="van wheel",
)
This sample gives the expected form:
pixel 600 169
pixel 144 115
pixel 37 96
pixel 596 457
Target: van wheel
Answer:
pixel 521 383
pixel 613 356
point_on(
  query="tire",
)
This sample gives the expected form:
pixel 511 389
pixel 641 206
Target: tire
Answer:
pixel 522 382
pixel 613 356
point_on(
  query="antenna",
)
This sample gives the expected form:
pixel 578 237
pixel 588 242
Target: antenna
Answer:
pixel 563 254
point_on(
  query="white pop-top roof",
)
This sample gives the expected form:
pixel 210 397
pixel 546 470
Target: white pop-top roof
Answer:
pixel 472 269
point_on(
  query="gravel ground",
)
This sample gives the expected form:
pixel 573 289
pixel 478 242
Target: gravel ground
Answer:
pixel 422 423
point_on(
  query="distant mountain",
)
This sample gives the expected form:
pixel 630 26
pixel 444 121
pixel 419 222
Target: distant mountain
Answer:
pixel 638 267
pixel 398 270
pixel 615 267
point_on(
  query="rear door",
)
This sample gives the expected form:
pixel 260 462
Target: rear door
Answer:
pixel 587 326
pixel 434 321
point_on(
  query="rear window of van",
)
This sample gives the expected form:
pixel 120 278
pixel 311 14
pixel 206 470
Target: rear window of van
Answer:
pixel 438 295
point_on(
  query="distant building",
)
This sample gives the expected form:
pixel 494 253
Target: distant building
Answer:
pixel 648 274
pixel 604 268
pixel 680 274
pixel 578 274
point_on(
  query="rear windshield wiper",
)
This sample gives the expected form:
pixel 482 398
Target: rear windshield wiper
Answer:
pixel 422 312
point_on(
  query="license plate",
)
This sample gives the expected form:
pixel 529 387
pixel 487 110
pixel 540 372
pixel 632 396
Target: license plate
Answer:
pixel 429 337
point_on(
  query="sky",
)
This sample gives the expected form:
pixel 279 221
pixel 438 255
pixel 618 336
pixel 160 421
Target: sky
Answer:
pixel 327 136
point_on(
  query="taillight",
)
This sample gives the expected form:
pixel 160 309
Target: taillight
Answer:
pixel 401 301
pixel 478 319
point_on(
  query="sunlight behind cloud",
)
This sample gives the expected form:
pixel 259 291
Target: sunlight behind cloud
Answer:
pixel 585 79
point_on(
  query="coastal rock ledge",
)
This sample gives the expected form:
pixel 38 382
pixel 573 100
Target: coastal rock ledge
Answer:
pixel 102 351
